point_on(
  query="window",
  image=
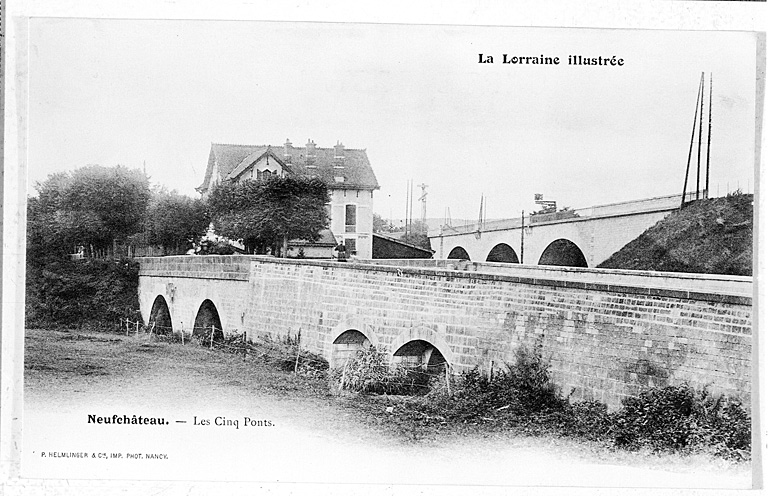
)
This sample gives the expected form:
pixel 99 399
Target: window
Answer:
pixel 350 222
pixel 351 245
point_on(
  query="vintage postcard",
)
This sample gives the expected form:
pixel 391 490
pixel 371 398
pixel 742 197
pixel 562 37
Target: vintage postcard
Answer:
pixel 389 254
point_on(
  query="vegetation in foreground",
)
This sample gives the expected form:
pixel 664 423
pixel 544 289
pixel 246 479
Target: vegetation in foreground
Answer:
pixel 522 398
pixel 519 400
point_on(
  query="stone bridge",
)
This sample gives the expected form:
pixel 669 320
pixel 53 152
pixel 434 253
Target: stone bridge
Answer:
pixel 606 333
pixel 577 238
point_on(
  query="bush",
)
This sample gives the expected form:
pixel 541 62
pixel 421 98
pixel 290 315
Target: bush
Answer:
pixel 523 388
pixel 93 294
pixel 678 418
pixel 589 420
pixel 674 418
pixel 369 371
pixel 280 352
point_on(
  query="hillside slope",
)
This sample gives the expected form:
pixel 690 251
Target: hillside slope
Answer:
pixel 711 236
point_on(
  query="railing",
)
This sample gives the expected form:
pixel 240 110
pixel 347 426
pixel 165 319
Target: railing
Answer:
pixel 669 202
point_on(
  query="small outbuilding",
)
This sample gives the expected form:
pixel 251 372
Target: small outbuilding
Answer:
pixel 386 247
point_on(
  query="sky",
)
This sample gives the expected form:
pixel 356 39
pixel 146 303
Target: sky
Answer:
pixel 137 92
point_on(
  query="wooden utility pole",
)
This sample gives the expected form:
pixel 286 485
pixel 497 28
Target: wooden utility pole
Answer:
pixel 690 148
pixel 522 235
pixel 701 122
pixel 709 136
pixel 407 199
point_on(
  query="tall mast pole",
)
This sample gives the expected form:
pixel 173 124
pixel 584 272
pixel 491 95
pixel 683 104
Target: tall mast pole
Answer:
pixel 701 121
pixel 406 211
pixel 410 213
pixel 690 148
pixel 709 136
pixel 522 235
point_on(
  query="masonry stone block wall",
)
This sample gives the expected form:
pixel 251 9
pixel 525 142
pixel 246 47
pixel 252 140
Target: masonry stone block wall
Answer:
pixel 597 231
pixel 607 334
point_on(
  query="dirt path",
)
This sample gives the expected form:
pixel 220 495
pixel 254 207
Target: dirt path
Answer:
pixel 300 432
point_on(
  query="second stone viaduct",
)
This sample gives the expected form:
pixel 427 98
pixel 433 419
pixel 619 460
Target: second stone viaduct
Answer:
pixel 577 238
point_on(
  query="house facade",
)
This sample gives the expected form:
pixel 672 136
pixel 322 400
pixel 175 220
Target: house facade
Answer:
pixel 346 171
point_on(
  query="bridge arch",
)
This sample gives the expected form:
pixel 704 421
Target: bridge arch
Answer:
pixel 504 253
pixel 207 316
pixel 458 253
pixel 422 346
pixel 563 252
pixel 160 316
pixel 347 338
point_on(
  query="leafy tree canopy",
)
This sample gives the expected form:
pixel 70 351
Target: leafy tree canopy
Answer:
pixel 382 225
pixel 270 212
pixel 91 206
pixel 176 220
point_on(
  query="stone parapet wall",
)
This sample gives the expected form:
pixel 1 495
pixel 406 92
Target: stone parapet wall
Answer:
pixel 232 267
pixel 607 334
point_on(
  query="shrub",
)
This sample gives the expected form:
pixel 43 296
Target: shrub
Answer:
pixel 93 294
pixel 679 418
pixel 522 393
pixel 589 420
pixel 529 377
pixel 522 396
pixel 369 371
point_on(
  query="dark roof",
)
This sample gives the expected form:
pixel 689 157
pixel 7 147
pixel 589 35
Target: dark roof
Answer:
pixel 388 239
pixel 326 239
pixel 354 168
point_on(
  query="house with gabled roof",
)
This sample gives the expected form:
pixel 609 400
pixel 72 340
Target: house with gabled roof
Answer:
pixel 347 172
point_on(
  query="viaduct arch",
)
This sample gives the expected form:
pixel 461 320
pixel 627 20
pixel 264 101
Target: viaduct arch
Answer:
pixel 347 338
pixel 503 253
pixel 421 346
pixel 207 317
pixel 564 253
pixel 160 316
pixel 458 253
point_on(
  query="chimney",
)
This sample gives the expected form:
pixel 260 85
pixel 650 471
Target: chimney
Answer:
pixel 338 154
pixel 311 152
pixel 287 151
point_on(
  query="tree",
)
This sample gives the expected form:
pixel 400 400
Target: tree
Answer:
pixel 93 206
pixel 381 225
pixel 268 213
pixel 115 197
pixel 418 235
pixel 176 221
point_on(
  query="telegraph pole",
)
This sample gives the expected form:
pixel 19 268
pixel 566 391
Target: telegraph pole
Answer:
pixel 522 235
pixel 701 121
pixel 693 134
pixel 423 200
pixel 709 137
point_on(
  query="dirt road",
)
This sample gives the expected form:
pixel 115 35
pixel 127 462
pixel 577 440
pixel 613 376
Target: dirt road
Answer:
pixel 229 419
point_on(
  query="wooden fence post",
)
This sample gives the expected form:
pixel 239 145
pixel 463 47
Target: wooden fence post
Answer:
pixel 448 378
pixel 298 352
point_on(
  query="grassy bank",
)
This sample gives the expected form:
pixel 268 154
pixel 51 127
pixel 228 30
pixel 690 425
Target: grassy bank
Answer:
pixel 711 236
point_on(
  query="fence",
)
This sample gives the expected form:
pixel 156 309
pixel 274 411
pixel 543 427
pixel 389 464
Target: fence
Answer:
pixel 287 355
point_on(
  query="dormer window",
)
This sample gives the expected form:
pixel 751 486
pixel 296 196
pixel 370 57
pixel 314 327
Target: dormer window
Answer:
pixel 264 175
